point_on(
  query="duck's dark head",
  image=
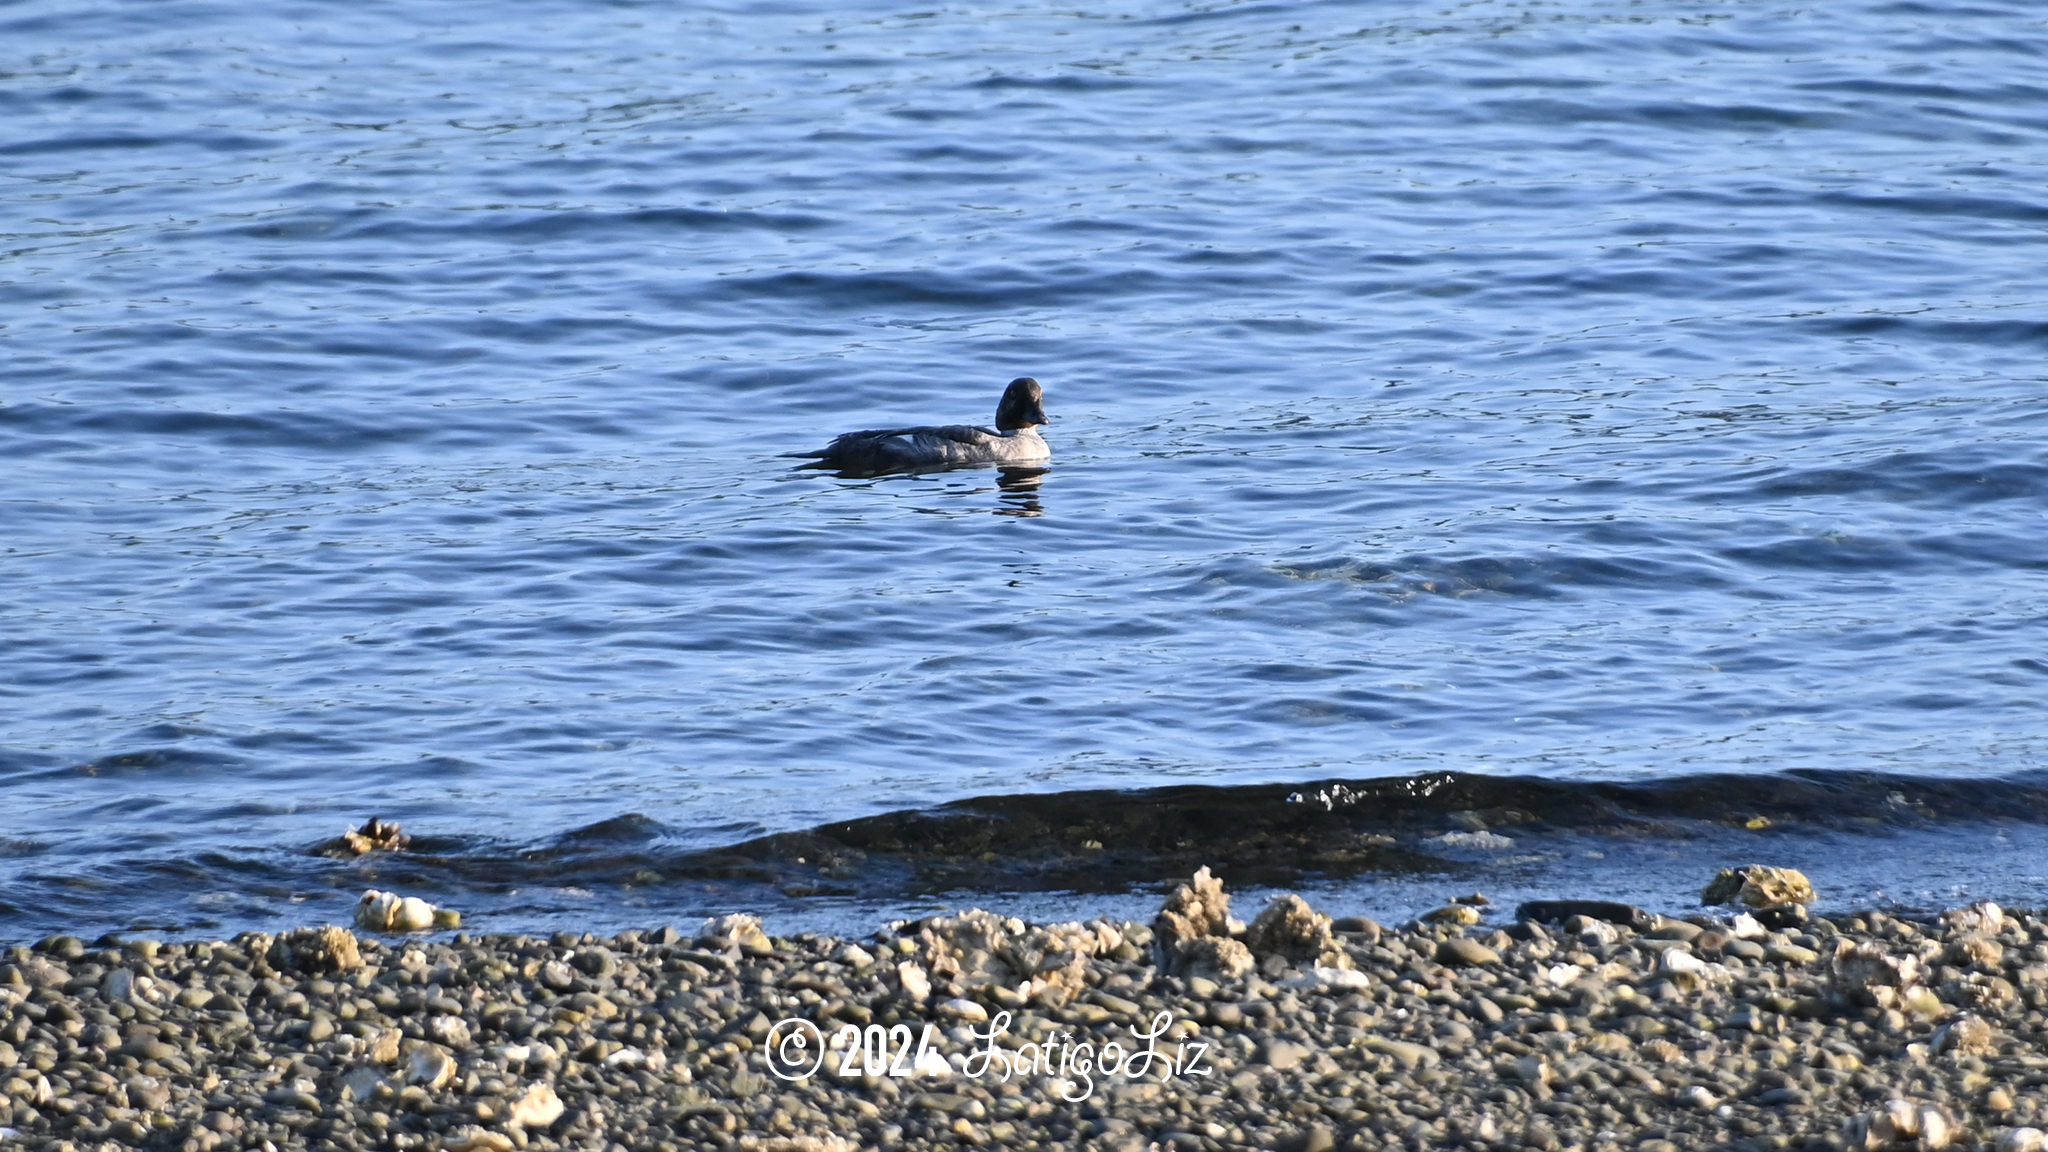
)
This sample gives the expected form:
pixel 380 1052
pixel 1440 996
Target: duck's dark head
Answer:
pixel 1023 405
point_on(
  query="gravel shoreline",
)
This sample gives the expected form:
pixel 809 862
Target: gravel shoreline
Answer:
pixel 1864 1030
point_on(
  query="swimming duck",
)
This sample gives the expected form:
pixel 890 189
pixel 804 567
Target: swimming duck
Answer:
pixel 1014 440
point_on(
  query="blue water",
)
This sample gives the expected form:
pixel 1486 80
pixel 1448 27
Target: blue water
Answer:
pixel 391 401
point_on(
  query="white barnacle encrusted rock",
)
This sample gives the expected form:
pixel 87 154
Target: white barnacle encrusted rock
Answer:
pixel 539 1108
pixel 1197 908
pixel 1965 1036
pixel 1292 930
pixel 1192 933
pixel 1982 917
pixel 316 951
pixel 737 930
pixel 985 952
pixel 430 1066
pixel 1900 1125
pixel 1866 974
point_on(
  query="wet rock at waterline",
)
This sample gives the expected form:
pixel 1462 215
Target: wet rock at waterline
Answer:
pixel 390 912
pixel 1758 886
pixel 375 835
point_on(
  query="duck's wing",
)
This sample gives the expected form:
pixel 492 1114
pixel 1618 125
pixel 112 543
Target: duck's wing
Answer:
pixel 839 443
pixel 956 433
pixel 898 447
pixel 863 441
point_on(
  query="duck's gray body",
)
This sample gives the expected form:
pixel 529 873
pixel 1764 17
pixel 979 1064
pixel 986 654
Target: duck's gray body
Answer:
pixel 1014 440
pixel 897 449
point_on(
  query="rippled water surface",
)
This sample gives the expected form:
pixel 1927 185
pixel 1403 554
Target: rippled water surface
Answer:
pixel 391 401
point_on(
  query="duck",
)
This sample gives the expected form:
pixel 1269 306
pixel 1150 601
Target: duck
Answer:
pixel 1014 440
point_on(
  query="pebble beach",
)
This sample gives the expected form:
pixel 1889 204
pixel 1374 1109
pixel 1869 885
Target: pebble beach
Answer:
pixel 1581 1026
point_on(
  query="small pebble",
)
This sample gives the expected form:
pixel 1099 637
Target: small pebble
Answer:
pixel 1461 951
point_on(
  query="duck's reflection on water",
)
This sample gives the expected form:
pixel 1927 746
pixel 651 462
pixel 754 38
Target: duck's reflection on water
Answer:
pixel 1019 488
pixel 1017 485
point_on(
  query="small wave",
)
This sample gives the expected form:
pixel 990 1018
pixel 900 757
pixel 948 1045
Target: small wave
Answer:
pixel 1056 83
pixel 1990 333
pixel 631 828
pixel 1947 207
pixel 153 761
pixel 1538 577
pixel 333 430
pixel 1834 551
pixel 1005 287
pixel 1707 117
pixel 129 142
pixel 521 225
pixel 1940 479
